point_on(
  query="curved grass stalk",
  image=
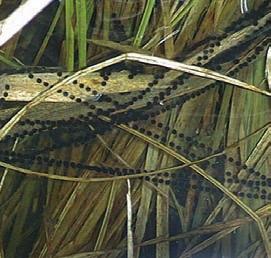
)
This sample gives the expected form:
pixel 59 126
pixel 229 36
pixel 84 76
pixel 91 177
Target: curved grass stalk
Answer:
pixel 191 69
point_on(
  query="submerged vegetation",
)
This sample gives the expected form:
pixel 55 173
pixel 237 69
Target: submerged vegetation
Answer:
pixel 168 101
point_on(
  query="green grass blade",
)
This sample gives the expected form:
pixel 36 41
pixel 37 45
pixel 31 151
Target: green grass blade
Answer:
pixel 106 20
pixel 144 23
pixel 69 50
pixel 13 63
pixel 81 24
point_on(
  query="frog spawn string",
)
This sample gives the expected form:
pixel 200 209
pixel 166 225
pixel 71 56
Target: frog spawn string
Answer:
pixel 156 100
pixel 171 145
pixel 259 184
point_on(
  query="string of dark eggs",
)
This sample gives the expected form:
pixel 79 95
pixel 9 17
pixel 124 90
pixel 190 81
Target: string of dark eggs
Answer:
pixel 180 80
pixel 141 129
pixel 79 101
pixel 243 21
pixel 11 156
pixel 155 180
pixel 179 102
pixel 238 25
pixel 31 159
pixel 257 51
pixel 158 99
pixel 249 184
pixel 248 60
pixel 86 119
pixel 247 19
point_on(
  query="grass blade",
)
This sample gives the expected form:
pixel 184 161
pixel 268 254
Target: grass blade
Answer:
pixel 144 23
pixel 69 42
pixel 81 26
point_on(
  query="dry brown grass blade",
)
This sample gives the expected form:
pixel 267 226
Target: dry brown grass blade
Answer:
pixel 162 217
pixel 204 244
pixel 208 229
pixel 168 31
pixel 120 47
pixel 146 199
pixel 104 226
pixel 101 236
